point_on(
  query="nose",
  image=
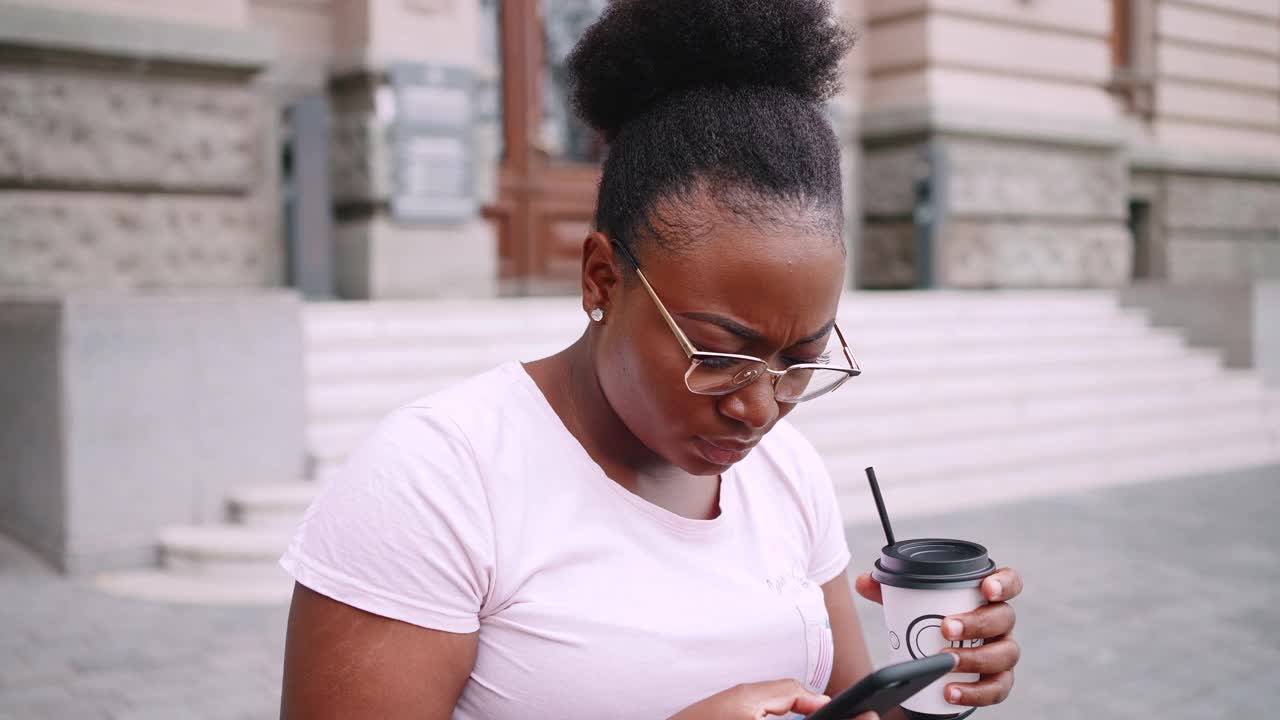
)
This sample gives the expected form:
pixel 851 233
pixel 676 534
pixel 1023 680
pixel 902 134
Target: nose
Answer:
pixel 753 405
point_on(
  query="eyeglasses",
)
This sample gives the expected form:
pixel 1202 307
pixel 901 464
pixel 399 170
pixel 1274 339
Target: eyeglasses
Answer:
pixel 712 373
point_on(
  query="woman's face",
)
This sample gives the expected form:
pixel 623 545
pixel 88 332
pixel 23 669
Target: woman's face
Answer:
pixel 746 289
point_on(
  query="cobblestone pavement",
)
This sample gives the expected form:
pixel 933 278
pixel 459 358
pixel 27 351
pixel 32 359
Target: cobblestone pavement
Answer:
pixel 1158 600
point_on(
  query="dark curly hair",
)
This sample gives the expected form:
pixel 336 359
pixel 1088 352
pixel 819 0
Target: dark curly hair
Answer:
pixel 722 97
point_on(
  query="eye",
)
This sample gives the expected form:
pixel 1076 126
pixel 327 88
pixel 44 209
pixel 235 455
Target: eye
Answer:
pixel 823 359
pixel 717 363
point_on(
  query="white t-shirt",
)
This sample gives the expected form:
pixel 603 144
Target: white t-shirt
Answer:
pixel 476 509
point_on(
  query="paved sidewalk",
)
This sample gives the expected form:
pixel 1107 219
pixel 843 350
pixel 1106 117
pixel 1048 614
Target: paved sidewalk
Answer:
pixel 69 651
pixel 1158 600
pixel 1152 601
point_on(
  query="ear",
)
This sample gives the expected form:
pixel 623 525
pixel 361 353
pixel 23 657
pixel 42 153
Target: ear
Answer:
pixel 601 275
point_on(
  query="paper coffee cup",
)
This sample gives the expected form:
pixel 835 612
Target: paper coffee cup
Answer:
pixel 924 581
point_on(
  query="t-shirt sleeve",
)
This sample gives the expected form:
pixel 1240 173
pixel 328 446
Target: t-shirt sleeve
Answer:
pixel 404 531
pixel 830 554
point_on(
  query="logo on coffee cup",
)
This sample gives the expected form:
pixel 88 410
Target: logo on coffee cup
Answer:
pixel 924 638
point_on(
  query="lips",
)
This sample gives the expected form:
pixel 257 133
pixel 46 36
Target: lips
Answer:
pixel 723 452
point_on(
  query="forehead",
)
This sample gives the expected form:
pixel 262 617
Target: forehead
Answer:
pixel 784 279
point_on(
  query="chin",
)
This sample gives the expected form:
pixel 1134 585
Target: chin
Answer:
pixel 695 464
pixel 702 468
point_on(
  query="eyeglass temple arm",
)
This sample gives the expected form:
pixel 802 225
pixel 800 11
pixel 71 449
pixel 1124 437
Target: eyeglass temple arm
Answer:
pixel 685 345
pixel 848 354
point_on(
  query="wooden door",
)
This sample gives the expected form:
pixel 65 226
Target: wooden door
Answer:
pixel 550 163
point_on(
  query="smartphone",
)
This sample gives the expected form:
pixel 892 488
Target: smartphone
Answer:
pixel 886 688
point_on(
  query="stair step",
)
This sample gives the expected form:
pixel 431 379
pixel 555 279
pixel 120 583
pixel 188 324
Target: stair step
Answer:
pixel 170 587
pixel 958 493
pixel 1118 440
pixel 1043 383
pixel 833 434
pixel 372 397
pixel 268 507
pixel 420 355
pixel 223 551
pixel 344 415
pixel 998 394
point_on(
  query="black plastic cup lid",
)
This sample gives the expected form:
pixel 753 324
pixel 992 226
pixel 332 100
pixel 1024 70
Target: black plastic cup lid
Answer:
pixel 930 562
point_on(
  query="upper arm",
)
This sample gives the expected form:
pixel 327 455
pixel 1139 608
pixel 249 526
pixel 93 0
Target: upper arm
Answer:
pixel 342 662
pixel 852 662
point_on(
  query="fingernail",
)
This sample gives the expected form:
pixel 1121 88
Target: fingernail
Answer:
pixel 953 695
pixel 954 629
pixel 996 590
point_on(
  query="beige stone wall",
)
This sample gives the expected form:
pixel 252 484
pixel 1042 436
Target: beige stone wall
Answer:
pixel 1210 168
pixel 1007 212
pixel 303 29
pixel 220 13
pixel 377 256
pixel 1002 108
pixel 1217 75
pixel 131 182
pixel 121 175
pixel 1007 55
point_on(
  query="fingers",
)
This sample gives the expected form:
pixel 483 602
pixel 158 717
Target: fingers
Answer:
pixel 868 716
pixel 782 697
pixel 988 691
pixel 988 621
pixel 868 588
pixel 990 658
pixel 1002 585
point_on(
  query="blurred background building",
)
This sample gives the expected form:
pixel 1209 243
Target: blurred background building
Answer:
pixel 994 143
pixel 235 232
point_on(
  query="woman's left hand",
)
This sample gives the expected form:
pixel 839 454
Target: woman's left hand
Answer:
pixel 993 623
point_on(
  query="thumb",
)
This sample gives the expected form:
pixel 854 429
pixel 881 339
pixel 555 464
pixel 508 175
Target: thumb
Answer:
pixel 868 588
pixel 790 697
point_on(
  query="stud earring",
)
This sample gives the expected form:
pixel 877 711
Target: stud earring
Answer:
pixel 597 314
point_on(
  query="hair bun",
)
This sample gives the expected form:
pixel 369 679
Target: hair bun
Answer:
pixel 640 51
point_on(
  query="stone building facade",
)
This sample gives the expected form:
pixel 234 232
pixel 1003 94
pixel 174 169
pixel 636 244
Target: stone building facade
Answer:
pixel 173 175
pixel 131 158
pixel 990 143
pixel 1071 143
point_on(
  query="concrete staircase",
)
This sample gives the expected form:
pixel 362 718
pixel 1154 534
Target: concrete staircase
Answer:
pixel 967 400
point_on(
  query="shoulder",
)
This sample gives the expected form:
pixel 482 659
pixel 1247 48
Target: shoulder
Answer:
pixel 465 411
pixel 452 430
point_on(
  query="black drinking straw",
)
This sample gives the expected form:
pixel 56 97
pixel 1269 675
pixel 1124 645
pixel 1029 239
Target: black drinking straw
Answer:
pixel 884 514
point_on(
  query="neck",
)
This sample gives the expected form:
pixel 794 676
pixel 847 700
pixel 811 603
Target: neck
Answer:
pixel 568 380
pixel 591 418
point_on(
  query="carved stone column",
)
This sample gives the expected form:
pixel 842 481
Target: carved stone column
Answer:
pixel 407 208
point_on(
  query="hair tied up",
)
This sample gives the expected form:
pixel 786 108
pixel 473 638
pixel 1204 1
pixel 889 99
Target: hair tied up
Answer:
pixel 640 51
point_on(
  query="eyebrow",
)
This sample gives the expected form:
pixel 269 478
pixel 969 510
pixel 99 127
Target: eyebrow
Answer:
pixel 747 333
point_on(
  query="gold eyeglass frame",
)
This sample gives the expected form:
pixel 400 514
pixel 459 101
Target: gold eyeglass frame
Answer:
pixel 696 356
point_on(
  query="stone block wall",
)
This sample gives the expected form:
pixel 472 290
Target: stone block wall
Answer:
pixel 1216 229
pixel 1006 211
pixel 130 166
pixel 127 412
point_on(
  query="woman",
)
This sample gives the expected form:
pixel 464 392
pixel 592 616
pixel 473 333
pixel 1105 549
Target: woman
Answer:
pixel 627 529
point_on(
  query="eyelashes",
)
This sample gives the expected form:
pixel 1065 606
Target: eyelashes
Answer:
pixel 823 359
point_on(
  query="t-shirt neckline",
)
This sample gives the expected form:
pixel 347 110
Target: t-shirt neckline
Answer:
pixel 664 517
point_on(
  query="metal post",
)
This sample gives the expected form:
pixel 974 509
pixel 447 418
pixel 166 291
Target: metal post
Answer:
pixel 309 198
